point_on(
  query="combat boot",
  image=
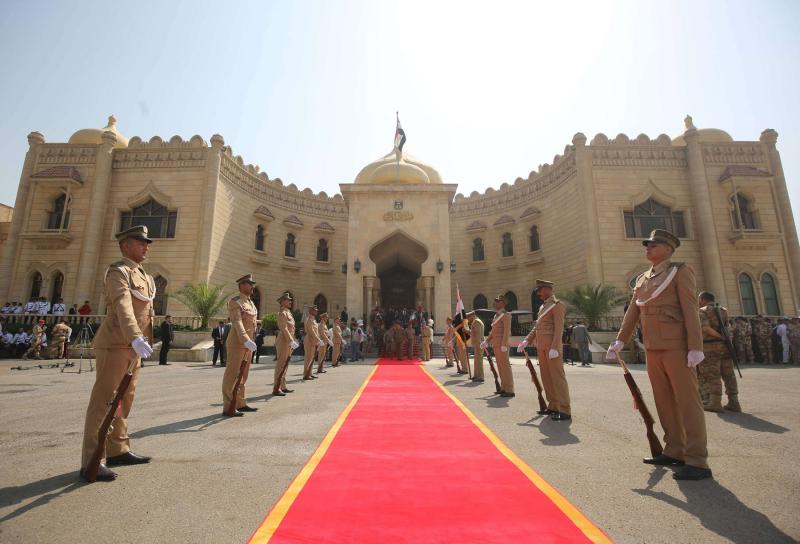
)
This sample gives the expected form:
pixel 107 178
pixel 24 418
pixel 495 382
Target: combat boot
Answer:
pixel 733 404
pixel 714 404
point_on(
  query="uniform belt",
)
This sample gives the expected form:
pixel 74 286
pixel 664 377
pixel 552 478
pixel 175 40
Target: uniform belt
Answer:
pixel 715 341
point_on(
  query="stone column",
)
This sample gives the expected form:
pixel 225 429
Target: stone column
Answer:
pixel 95 223
pixel 791 245
pixel 18 219
pixel 583 163
pixel 213 159
pixel 704 218
pixel 369 285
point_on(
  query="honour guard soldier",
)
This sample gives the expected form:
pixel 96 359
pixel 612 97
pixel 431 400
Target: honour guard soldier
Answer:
pixel 123 339
pixel 240 346
pixel 284 345
pixel 410 340
pixel 664 302
pixel 338 341
pixel 325 341
pixel 500 340
pixel 311 343
pixel 476 338
pixel 717 367
pixel 546 335
pixel 447 342
pixel 426 334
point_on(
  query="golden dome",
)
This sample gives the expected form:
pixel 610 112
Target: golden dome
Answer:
pixel 706 136
pixel 407 171
pixel 94 136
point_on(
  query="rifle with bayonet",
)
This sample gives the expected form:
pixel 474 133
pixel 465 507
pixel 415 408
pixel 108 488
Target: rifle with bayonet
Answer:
pixel 727 338
pixel 493 369
pixel 230 410
pixel 536 382
pixel 638 404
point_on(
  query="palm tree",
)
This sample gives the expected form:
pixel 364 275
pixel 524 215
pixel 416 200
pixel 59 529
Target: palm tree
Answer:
pixel 202 299
pixel 594 303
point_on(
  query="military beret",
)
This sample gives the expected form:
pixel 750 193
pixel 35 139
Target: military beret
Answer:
pixel 139 232
pixel 664 237
pixel 247 278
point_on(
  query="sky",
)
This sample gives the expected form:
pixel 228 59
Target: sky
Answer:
pixel 487 91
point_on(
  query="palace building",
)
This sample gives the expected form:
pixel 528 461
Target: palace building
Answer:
pixel 399 235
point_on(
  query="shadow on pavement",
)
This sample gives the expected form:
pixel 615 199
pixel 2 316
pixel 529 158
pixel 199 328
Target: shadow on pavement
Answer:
pixel 721 512
pixel 44 491
pixel 557 433
pixel 184 426
pixel 752 423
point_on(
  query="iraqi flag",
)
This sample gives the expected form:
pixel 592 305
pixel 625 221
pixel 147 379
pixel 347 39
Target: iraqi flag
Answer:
pixel 460 318
pixel 399 135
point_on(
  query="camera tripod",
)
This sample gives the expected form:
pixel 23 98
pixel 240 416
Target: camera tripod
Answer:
pixel 84 343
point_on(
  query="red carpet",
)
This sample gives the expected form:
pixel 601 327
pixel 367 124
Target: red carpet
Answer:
pixel 406 463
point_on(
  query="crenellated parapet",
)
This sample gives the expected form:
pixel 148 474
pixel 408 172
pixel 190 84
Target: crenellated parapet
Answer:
pixel 734 153
pixel 641 151
pixel 157 153
pixel 55 154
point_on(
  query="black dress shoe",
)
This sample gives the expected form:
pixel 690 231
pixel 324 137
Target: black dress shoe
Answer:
pixel 477 380
pixel 688 472
pixel 547 412
pixel 223 365
pixel 247 409
pixel 561 416
pixel 287 390
pixel 312 377
pixel 104 474
pixel 322 371
pixel 663 461
pixel 278 394
pixel 507 395
pixel 235 414
pixel 128 458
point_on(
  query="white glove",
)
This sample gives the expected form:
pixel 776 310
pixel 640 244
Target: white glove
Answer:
pixel 552 354
pixel 295 344
pixel 694 358
pixel 484 344
pixel 141 347
pixel 250 345
pixel 522 345
pixel 330 343
pixel 320 344
pixel 504 349
pixel 611 354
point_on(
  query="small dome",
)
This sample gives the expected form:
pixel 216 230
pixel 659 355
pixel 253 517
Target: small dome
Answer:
pixel 94 136
pixel 706 136
pixel 388 170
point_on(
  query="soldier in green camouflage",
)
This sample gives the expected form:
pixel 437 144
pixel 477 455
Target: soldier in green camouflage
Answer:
pixel 717 367
pixel 763 330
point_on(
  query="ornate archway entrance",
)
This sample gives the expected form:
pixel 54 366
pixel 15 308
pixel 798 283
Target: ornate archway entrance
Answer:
pixel 398 262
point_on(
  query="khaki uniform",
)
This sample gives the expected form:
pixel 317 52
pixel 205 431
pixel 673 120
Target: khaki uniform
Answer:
pixel 128 318
pixel 396 335
pixel 36 342
pixel 283 346
pixel 448 345
pixel 717 367
pixel 59 339
pixel 427 339
pixel 337 344
pixel 322 332
pixel 410 337
pixel 671 327
pixel 243 316
pixel 310 344
pixel 499 338
pixel 546 335
pixel 476 337
pixel 743 340
pixel 764 337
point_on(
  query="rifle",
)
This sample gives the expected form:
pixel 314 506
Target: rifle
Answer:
pixel 638 404
pixel 231 409
pixel 536 383
pixel 283 372
pixel 494 371
pixel 108 423
pixel 726 337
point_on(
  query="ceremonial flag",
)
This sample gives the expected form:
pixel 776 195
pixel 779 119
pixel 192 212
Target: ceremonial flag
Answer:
pixel 399 135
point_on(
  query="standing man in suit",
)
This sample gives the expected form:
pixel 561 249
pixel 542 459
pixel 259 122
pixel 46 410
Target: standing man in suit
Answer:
pixel 311 343
pixel 124 338
pixel 284 344
pixel 476 339
pixel 500 340
pixel 219 344
pixel 665 303
pixel 546 335
pixel 167 337
pixel 261 332
pixel 240 345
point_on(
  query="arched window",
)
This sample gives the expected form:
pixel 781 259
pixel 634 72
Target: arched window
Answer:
pixel 58 286
pixel 160 222
pixel 477 250
pixel 479 302
pixel 651 215
pixel 290 246
pixel 322 250
pixel 747 294
pixel 321 302
pixel 769 289
pixel 533 239
pixel 59 213
pixel 508 245
pixel 255 296
pixel 745 211
pixel 536 302
pixel 36 284
pixel 160 302
pixel 260 238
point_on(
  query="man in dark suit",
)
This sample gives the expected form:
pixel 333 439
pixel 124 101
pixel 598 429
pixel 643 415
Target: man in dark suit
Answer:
pixel 167 336
pixel 261 332
pixel 219 344
pixel 225 331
